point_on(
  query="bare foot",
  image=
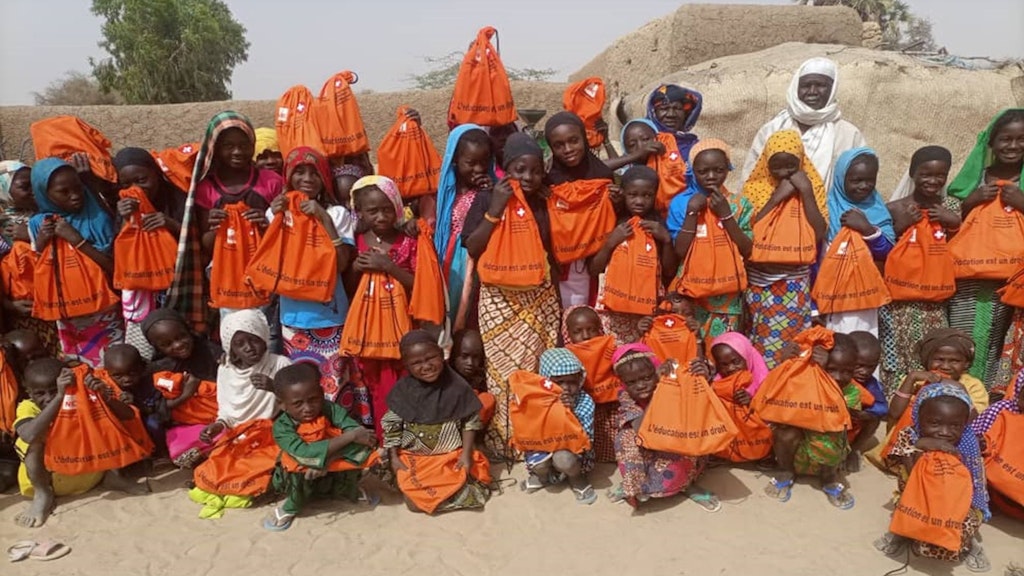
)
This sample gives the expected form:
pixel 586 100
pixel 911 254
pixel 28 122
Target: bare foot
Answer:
pixel 115 481
pixel 37 513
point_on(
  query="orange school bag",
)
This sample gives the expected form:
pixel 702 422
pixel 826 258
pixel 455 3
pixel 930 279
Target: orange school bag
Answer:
pixel 633 274
pixel 540 422
pixel 919 267
pixel 800 393
pixel 63 136
pixel 143 259
pixel 377 318
pixel 686 417
pixel 178 162
pixel 671 168
pixel 296 123
pixel 87 437
pixel 596 356
pixel 482 92
pixel 428 480
pixel 17 270
pixel 670 338
pixel 713 266
pixel 233 248
pixel 201 408
pixel 935 501
pixel 408 157
pixel 429 302
pixel 241 461
pixel 990 244
pixel 848 278
pixel 8 395
pixel 753 439
pixel 586 99
pixel 1004 458
pixel 514 255
pixel 296 257
pixel 581 217
pixel 784 236
pixel 337 117
pixel 69 284
pixel 320 428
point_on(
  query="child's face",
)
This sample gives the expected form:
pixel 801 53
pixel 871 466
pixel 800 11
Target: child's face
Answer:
pixel 142 176
pixel 468 358
pixel 270 160
pixel 343 184
pixel 21 190
pixel 639 379
pixel 247 349
pixel 727 360
pixel 376 210
pixel 529 170
pixel 234 149
pixel 637 136
pixel 571 384
pixel 679 304
pixel 639 196
pixel 841 364
pixel 568 145
pixel 1008 143
pixel 930 178
pixel 40 391
pixel 29 347
pixel 860 180
pixel 943 418
pixel 583 326
pixel 474 160
pixel 711 168
pixel 303 401
pixel 65 190
pixel 949 361
pixel 867 363
pixel 424 361
pixel 125 371
pixel 171 339
pixel 783 165
pixel 305 178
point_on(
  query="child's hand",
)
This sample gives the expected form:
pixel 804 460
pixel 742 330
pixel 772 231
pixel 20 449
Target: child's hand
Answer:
pixel 819 355
pixel 924 376
pixel 645 324
pixel 656 230
pixel 741 397
pixel 278 204
pixel 64 381
pixel 311 207
pixel 1013 196
pixel 719 204
pixel 372 261
pixel 96 385
pixel 785 189
pixel 257 217
pixel 692 324
pixel 699 367
pixel 215 218
pixel 482 182
pixel 667 368
pixel 396 464
pixel 154 221
pixel 936 445
pixel 615 193
pixel 126 397
pixel 943 216
pixel 913 213
pixel 127 206
pixel 653 147
pixel 801 182
pixel 262 382
pixel 697 203
pixel 789 351
pixel 984 193
pixel 411 228
pixel 620 234
pixel 465 458
pixel 80 162
pixel 856 220
pixel 212 431
pixel 500 196
pixel 411 114
pixel 362 436
pixel 22 307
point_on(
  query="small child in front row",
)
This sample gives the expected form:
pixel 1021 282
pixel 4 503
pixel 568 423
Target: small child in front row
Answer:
pixel 323 448
pixel 873 406
pixel 124 365
pixel 18 347
pixel 468 360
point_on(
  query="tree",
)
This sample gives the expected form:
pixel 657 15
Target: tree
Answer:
pixel 445 69
pixel 900 27
pixel 74 89
pixel 168 51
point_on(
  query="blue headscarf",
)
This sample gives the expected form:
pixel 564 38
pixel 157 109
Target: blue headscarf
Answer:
pixel 680 202
pixel 92 221
pixel 674 93
pixel 625 127
pixel 838 203
pixel 970 452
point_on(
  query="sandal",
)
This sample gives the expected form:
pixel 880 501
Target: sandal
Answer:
pixel 890 544
pixel 617 495
pixel 780 490
pixel 976 560
pixel 44 551
pixel 531 484
pixel 838 496
pixel 586 495
pixel 707 500
pixel 278 521
pixel 371 499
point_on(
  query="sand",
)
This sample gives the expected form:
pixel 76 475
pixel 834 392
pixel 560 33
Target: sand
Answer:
pixel 517 534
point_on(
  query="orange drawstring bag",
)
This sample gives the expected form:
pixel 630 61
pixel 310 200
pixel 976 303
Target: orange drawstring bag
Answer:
pixel 482 92
pixel 848 279
pixel 990 244
pixel 784 236
pixel 800 393
pixel 296 257
pixel 633 274
pixel 320 428
pixel 86 436
pixel 143 259
pixel 408 157
pixel 8 395
pixel 135 428
pixel 586 99
pixel 63 136
pixel 1004 458
pixel 671 339
pixel 233 248
pixel 935 502
pixel 241 461
pixel 713 266
pixel 514 256
pixel 671 168
pixel 540 422
pixel 581 217
pixel 686 417
pixel 596 356
pixel 429 302
pixel 429 480
pixel 919 267
pixel 337 117
pixel 178 163
pixel 753 439
pixel 17 270
pixel 201 408
pixel 490 405
pixel 69 284
pixel 377 319
pixel 296 123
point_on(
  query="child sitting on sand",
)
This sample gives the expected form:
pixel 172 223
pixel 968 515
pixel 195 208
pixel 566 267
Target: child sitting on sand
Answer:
pixel 123 364
pixel 18 347
pixel 467 359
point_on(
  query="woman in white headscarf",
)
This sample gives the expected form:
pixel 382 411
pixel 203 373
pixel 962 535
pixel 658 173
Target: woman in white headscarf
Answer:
pixel 813 110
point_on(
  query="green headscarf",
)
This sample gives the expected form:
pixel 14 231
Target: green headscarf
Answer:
pixel 977 161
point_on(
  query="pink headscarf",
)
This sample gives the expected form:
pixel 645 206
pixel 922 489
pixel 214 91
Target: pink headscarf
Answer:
pixel 755 362
pixel 630 352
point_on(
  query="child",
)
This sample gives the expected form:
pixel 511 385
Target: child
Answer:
pixel 124 366
pixel 639 188
pixel 999 425
pixel 45 383
pixel 345 175
pixel 734 355
pixel 639 142
pixel 674 330
pixel 585 338
pixel 434 416
pixel 941 414
pixel 18 347
pixel 322 448
pixel 872 397
pixel 468 360
pixel 267 152
pixel 546 468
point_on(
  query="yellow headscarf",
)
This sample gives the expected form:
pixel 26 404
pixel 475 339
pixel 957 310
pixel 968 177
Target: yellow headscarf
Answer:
pixel 266 139
pixel 761 184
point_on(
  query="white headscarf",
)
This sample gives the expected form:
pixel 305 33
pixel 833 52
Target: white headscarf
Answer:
pixel 248 320
pixel 820 138
pixel 238 401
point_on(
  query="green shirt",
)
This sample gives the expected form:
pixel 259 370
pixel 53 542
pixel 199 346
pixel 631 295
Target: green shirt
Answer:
pixel 314 454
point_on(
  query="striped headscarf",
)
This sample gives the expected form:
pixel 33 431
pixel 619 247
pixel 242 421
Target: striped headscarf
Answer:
pixel 760 186
pixel 385 185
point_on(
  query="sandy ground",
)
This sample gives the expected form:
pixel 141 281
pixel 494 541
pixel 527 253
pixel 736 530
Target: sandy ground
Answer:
pixel 516 534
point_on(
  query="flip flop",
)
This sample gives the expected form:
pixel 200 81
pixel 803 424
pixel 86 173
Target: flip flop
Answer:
pixel 835 494
pixel 586 495
pixel 976 560
pixel 707 501
pixel 44 551
pixel 371 499
pixel 783 487
pixel 270 524
pixel 531 484
pixel 890 544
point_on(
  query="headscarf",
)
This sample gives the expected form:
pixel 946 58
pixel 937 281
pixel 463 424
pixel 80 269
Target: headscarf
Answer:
pixel 590 167
pixel 555 362
pixel 921 156
pixel 978 160
pixel 566 313
pixel 940 337
pixel 306 155
pixel 755 362
pixel 970 452
pixel 161 315
pixel 385 185
pixel 7 170
pixel 839 203
pixel 625 127
pixel 266 139
pixel 170 200
pixel 92 221
pixel 520 144
pixel 986 419
pixel 204 359
pixel 449 398
pixel 692 101
pixel 629 352
pixel 250 320
pixel 237 399
pixel 761 184
pixel 803 113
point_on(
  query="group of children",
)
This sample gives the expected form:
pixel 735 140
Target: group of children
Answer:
pixel 544 305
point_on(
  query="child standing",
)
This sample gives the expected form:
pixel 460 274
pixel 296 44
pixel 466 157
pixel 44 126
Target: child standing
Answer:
pixel 468 360
pixel 585 338
pixel 873 405
pixel 267 153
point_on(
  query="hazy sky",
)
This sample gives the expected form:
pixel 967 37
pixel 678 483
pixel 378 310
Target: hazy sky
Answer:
pixel 384 41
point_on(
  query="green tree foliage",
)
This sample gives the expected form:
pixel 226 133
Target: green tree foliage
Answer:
pixel 901 28
pixel 74 89
pixel 445 69
pixel 168 51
